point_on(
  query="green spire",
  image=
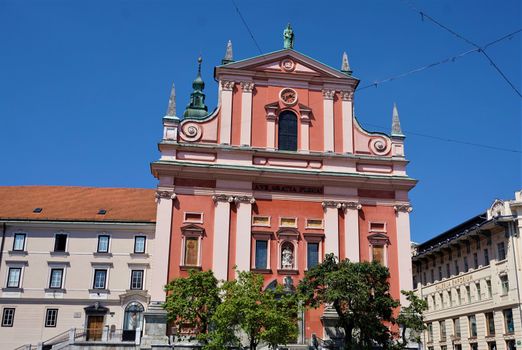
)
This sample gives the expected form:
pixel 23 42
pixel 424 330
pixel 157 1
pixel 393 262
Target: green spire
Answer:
pixel 197 108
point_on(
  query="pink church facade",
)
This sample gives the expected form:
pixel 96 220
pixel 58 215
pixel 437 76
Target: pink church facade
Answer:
pixel 277 176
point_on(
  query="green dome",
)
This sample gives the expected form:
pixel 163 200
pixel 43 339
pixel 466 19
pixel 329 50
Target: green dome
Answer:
pixel 197 109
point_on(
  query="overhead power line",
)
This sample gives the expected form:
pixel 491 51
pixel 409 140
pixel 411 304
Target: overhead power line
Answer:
pixel 482 50
pixel 447 139
pixel 247 27
pixel 445 60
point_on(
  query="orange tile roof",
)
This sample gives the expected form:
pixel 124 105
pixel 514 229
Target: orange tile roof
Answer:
pixel 68 203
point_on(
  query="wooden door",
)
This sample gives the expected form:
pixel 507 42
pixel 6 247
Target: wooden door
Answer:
pixel 94 327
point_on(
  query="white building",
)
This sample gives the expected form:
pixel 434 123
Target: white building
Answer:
pixel 470 277
pixel 74 257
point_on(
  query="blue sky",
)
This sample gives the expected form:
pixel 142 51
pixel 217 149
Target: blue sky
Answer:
pixel 84 85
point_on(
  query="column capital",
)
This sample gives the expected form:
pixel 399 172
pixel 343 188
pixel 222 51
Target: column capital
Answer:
pixel 346 95
pixel 222 198
pixel 352 205
pixel 247 86
pixel 405 208
pixel 227 85
pixel 332 204
pixel 233 199
pixel 328 94
pixel 341 205
pixel 244 199
pixel 165 194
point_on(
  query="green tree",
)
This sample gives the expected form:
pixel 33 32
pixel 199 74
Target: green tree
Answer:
pixel 192 300
pixel 261 315
pixel 411 318
pixel 359 293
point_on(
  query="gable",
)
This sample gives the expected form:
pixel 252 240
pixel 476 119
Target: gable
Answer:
pixel 287 61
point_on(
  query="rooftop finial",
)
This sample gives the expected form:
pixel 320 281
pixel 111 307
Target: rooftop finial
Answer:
pixel 199 64
pixel 229 55
pixel 288 36
pixel 171 110
pixel 396 124
pixel 345 67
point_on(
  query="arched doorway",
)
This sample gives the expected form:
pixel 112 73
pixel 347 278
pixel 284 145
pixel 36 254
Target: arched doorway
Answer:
pixel 133 319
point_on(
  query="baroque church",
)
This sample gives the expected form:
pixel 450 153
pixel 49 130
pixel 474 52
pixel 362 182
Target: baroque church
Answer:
pixel 278 175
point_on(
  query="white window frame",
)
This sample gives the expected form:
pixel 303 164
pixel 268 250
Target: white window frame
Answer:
pixel 103 234
pixel 105 286
pixel 313 238
pixel 12 316
pixel 314 227
pixel 24 247
pixel 55 317
pixel 50 277
pixel 19 277
pixel 191 232
pixel 200 221
pixel 384 230
pixel 261 236
pixel 66 243
pixel 142 278
pixel 288 217
pixel 145 244
pixel 262 216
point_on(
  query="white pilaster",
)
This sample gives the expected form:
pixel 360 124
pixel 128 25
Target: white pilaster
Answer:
pixel 243 232
pixel 347 117
pixel 159 276
pixel 246 112
pixel 331 227
pixel 351 231
pixel 221 236
pixel 404 248
pixel 305 130
pixel 270 126
pixel 225 126
pixel 328 112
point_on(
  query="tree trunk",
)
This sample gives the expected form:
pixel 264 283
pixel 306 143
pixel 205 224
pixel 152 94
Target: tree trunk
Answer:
pixel 348 328
pixel 404 342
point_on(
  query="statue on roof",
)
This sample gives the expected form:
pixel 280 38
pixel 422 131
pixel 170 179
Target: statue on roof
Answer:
pixel 288 36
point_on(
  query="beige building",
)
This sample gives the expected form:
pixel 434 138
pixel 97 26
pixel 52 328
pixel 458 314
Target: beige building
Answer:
pixel 470 277
pixel 74 257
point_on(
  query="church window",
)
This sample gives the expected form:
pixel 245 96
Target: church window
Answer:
pixel 191 251
pixel 261 250
pixel 261 254
pixel 312 258
pixel 287 131
pixel 378 254
pixel 191 243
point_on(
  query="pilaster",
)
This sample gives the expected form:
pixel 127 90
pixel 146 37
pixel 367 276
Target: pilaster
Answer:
pixel 331 227
pixel 164 197
pixel 246 112
pixel 347 118
pixel 243 227
pixel 221 235
pixel 402 213
pixel 351 230
pixel 305 130
pixel 271 118
pixel 225 126
pixel 328 113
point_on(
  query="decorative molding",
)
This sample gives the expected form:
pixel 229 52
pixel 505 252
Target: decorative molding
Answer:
pixel 341 205
pixel 346 95
pixel 405 208
pixel 247 86
pixel 288 96
pixel 165 194
pixel 288 65
pixel 233 199
pixel 328 94
pixel 227 85
pixel 271 111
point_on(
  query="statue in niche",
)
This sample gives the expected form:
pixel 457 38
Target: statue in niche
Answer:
pixel 287 257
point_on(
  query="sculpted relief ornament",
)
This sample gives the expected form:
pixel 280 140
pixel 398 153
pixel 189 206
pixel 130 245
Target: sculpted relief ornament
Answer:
pixel 328 94
pixel 165 195
pixel 346 95
pixel 341 205
pixel 405 208
pixel 233 199
pixel 288 96
pixel 247 86
pixel 287 258
pixel 227 85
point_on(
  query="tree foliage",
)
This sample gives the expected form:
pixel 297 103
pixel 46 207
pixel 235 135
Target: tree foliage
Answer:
pixel 359 293
pixel 268 316
pixel 411 318
pixel 192 301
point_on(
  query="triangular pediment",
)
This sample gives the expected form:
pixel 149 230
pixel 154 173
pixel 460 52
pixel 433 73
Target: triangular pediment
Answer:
pixel 288 61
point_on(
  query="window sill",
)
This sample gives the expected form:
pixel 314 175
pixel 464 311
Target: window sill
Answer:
pixel 287 272
pixel 189 267
pixel 99 291
pixel 261 271
pixel 55 290
pixel 102 255
pixel 17 252
pixel 60 253
pixel 139 255
pixel 12 289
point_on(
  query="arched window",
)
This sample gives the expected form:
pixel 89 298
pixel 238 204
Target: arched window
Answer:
pixel 133 316
pixel 287 131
